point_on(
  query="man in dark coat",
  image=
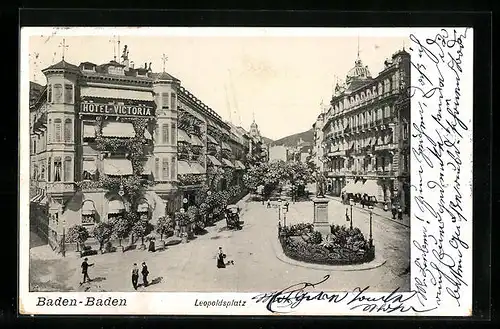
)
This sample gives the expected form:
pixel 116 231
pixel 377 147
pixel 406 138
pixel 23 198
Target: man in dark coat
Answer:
pixel 85 266
pixel 145 273
pixel 220 259
pixel 135 276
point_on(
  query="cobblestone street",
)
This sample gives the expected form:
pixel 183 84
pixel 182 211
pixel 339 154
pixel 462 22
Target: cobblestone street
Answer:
pixel 192 266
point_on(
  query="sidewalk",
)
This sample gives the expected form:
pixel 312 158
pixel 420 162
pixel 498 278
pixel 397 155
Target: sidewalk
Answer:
pixel 377 212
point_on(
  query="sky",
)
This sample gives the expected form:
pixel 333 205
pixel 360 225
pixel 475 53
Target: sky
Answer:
pixel 278 79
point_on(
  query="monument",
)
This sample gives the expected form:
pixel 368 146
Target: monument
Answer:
pixel 320 221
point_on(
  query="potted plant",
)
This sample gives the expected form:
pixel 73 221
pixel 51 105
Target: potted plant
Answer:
pixel 182 219
pixel 77 234
pixel 102 232
pixel 193 217
pixel 121 229
pixel 141 228
pixel 163 225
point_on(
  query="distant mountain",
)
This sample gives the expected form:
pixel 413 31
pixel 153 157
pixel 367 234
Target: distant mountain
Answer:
pixel 267 141
pixel 293 140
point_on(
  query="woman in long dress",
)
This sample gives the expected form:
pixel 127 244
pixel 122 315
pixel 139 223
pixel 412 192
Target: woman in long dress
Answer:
pixel 220 259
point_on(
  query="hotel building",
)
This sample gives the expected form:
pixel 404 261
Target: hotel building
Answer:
pixel 98 130
pixel 365 133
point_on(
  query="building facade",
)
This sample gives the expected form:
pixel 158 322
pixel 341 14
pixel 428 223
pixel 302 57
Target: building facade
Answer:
pixel 365 133
pixel 98 132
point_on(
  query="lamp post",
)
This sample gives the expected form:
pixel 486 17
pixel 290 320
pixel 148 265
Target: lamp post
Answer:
pixel 184 203
pixel 63 242
pixel 371 236
pixel 279 209
pixel 350 203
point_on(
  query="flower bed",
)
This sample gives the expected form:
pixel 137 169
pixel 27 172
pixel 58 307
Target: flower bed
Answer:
pixel 344 246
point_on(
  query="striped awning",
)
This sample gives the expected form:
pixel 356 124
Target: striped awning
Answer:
pixel 88 130
pixel 88 208
pixel 38 196
pixel 371 188
pixel 196 141
pixel 89 165
pixel 115 207
pixel 214 160
pixel 197 168
pixel 227 163
pixel 116 93
pixel 183 168
pixel 182 136
pixel 118 129
pixel 225 146
pixel 212 140
pixel 239 164
pixel 117 167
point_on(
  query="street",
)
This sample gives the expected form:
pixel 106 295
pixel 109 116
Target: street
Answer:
pixel 192 266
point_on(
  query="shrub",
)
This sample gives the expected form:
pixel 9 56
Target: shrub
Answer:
pixel 141 228
pixel 163 225
pixel 102 232
pixel 298 229
pixel 315 237
pixel 77 234
pixel 121 229
pixel 182 218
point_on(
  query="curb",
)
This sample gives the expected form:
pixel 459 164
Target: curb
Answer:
pixel 377 262
pixel 374 213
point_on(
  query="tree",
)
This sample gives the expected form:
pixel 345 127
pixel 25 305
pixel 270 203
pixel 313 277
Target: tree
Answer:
pixel 102 232
pixel 121 229
pixel 77 234
pixel 163 225
pixel 141 228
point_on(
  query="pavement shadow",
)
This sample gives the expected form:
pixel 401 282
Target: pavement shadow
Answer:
pixel 98 279
pixel 153 282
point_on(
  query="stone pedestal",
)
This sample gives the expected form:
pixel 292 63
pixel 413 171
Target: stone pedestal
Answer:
pixel 320 221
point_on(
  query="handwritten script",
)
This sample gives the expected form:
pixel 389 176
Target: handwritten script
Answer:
pixel 288 299
pixel 441 152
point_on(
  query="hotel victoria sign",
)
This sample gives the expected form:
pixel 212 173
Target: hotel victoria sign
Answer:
pixel 115 109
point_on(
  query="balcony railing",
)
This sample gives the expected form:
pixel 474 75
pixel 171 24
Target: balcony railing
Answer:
pixel 337 153
pixel 60 187
pixel 386 147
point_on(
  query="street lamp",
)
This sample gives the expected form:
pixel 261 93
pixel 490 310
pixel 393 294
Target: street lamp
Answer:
pixel 371 237
pixel 279 209
pixel 350 203
pixel 185 201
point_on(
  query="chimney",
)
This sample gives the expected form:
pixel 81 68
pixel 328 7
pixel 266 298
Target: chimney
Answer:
pixel 146 66
pixel 149 68
pixel 132 64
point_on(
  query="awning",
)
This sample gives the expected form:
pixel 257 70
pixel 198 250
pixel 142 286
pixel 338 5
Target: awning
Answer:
pixel 196 141
pixel 197 168
pixel 148 166
pixel 88 208
pixel 227 163
pixel 225 146
pixel 371 188
pixel 116 93
pixel 89 165
pixel 212 140
pixel 88 131
pixel 183 168
pixel 118 129
pixel 214 160
pixel 117 167
pixel 115 207
pixel 239 164
pixel 182 136
pixel 143 207
pixel 348 188
pixel 359 187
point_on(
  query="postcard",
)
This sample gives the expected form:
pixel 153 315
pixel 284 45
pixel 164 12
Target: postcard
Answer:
pixel 246 171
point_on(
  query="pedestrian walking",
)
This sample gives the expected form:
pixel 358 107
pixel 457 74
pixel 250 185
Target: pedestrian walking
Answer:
pixel 220 258
pixel 151 245
pixel 135 276
pixel 286 205
pixel 268 203
pixel 346 215
pixel 145 273
pixel 85 267
pixel 394 210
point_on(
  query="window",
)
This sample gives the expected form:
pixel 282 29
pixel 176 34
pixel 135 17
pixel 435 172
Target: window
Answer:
pixel 164 100
pixel 49 93
pixel 68 93
pixel 387 86
pixel 57 169
pixel 58 93
pixel 88 219
pixel 405 130
pixel 49 166
pixel 173 101
pixel 157 134
pixel 165 133
pixel 387 112
pixel 165 169
pixel 57 130
pixel 49 128
pixel 67 169
pixel 88 131
pixel 173 132
pixel 42 174
pixel 89 169
pixel 157 169
pixel 380 89
pixel 173 165
pixel 68 131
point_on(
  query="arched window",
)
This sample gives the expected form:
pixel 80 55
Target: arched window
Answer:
pixel 165 169
pixel 68 93
pixel 68 130
pixel 380 89
pixel 58 93
pixel 88 212
pixel 157 169
pixel 57 130
pixel 57 169
pixel 164 100
pixel 387 85
pixel 68 169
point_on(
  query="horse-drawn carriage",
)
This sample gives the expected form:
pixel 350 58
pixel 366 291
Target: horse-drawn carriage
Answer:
pixel 233 217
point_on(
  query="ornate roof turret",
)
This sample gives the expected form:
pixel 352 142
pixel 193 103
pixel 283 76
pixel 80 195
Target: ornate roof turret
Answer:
pixel 62 65
pixel 358 72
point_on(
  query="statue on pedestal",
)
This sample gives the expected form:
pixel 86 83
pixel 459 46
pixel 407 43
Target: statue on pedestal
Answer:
pixel 320 185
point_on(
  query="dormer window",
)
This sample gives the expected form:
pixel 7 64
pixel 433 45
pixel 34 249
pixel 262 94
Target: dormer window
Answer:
pixel 116 70
pixel 87 66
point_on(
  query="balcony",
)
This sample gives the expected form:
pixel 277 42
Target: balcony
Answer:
pixel 336 173
pixel 339 153
pixel 386 147
pixel 60 187
pixel 385 173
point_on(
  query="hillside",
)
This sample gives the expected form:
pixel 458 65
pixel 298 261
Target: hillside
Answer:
pixel 292 140
pixel 267 141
